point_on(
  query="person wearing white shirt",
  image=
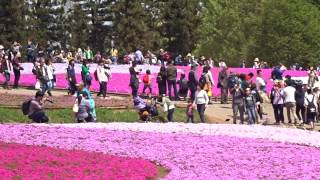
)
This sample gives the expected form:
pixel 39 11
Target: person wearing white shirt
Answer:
pixel 261 84
pixel 168 106
pixel 201 100
pixel 290 102
pixel 50 73
pixel 103 75
pixel 310 103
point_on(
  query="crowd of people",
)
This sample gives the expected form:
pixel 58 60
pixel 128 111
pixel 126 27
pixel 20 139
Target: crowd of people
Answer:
pixel 248 91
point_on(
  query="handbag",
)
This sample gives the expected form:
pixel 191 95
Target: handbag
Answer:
pixel 37 85
pixel 75 107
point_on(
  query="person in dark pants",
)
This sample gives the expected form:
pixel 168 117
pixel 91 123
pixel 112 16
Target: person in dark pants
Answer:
pixel 168 106
pixel 192 82
pixel 36 112
pixel 134 79
pixel 16 70
pixel 300 108
pixel 201 100
pixel 7 68
pixel 172 80
pixel 162 80
pixel 72 78
pixel 277 101
pixel 237 103
pixel 103 75
pixel 223 85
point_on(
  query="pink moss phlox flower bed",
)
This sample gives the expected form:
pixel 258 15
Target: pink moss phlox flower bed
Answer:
pixel 188 155
pixel 34 162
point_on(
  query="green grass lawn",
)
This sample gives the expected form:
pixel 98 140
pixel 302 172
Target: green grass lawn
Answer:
pixel 103 115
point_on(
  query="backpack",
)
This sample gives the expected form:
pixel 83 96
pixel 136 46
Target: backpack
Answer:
pixel 25 107
pixel 202 79
pixel 311 108
pixel 146 79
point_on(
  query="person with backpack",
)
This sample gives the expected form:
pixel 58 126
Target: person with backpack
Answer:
pixel 183 86
pixel 71 75
pixel 162 80
pixel 34 108
pixel 192 82
pixel 206 82
pixel 147 79
pixel 311 106
pixel 102 75
pixel 277 100
pixel 171 79
pixel 300 103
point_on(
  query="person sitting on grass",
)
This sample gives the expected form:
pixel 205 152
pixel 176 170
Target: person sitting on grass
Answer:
pixel 36 110
pixel 84 112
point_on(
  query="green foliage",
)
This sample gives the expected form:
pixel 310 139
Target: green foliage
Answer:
pixel 273 30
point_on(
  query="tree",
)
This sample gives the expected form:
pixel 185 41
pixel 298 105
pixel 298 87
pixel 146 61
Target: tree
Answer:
pixel 180 21
pixel 289 31
pixel 12 21
pixel 134 26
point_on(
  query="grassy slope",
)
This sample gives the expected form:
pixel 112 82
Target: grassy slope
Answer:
pixel 66 115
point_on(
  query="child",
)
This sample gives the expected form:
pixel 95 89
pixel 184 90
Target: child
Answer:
pixel 147 82
pixel 189 111
pixel 250 105
pixel 183 86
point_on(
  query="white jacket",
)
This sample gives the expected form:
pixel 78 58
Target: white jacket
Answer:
pixel 103 74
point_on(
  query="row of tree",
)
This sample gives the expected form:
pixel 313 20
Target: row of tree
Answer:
pixel 130 24
pixel 273 30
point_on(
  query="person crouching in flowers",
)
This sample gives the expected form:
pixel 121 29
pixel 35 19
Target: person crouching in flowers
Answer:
pixel 81 90
pixel 168 106
pixel 250 105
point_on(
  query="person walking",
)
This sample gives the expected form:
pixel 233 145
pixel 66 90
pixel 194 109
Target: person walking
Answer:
pixel 290 102
pixel 134 79
pixel 16 70
pixel 162 80
pixel 311 105
pixel 85 74
pixel 172 80
pixel 201 101
pixel 300 103
pixel 250 105
pixel 312 77
pixel 51 76
pixel 237 103
pixel 223 85
pixel 277 100
pixel 42 75
pixel 192 82
pixel 71 75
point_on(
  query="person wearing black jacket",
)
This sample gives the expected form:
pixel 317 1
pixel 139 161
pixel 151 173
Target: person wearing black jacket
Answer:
pixel 134 80
pixel 162 80
pixel 223 85
pixel 300 108
pixel 193 82
pixel 72 77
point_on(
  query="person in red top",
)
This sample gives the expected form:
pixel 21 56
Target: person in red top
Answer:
pixel 147 82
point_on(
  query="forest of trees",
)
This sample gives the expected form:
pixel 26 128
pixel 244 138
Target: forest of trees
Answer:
pixel 273 30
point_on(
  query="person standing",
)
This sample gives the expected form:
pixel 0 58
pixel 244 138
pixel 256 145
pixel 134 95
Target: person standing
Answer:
pixel 290 102
pixel 311 105
pixel 250 105
pixel 88 54
pixel 192 82
pixel 183 86
pixel 223 85
pixel 189 111
pixel 300 102
pixel 42 75
pixel 71 73
pixel 7 69
pixel 134 79
pixel 162 80
pixel 277 101
pixel 260 82
pixel 16 70
pixel 168 106
pixel 85 73
pixel 201 101
pixel 172 77
pixel 114 55
pixel 103 75
pixel 147 79
pixel 30 52
pixel 312 77
pixel 51 76
pixel 237 103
